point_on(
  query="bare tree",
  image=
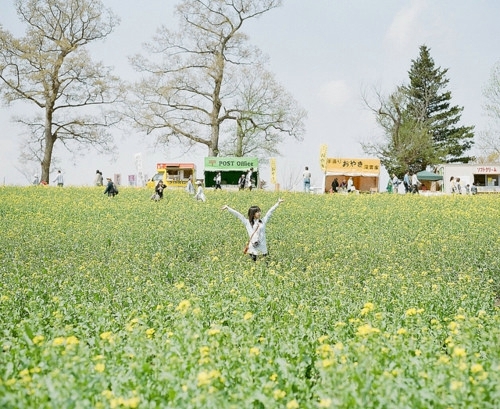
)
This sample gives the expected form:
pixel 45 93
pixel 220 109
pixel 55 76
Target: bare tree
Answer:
pixel 194 88
pixel 489 139
pixel 50 69
pixel 264 114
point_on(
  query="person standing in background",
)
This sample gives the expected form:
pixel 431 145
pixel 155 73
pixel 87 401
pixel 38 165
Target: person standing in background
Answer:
pixel 395 183
pixel 98 178
pixel 199 193
pixel 306 176
pixel 218 181
pixel 248 179
pixel 189 186
pixel 59 179
pixel 241 182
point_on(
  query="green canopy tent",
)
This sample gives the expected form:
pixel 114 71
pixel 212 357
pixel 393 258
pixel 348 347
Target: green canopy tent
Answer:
pixel 430 176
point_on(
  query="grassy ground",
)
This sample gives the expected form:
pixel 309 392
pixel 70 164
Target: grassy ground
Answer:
pixel 365 301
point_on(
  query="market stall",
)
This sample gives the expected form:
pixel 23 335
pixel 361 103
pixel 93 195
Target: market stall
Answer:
pixel 231 169
pixel 365 173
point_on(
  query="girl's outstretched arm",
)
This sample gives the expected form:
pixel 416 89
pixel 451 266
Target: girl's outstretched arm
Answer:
pixel 235 213
pixel 271 210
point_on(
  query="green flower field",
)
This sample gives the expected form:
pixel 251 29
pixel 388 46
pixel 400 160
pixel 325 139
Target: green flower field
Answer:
pixel 365 301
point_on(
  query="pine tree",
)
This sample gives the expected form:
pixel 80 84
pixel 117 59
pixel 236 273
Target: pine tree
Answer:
pixel 429 104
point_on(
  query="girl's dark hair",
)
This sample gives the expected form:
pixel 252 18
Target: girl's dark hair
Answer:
pixel 251 214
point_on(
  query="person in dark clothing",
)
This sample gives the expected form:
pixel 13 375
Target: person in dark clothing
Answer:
pixel 335 185
pixel 241 182
pixel 160 187
pixel 110 188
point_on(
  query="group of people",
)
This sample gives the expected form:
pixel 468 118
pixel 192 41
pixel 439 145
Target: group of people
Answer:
pixel 246 180
pixel 456 187
pixel 343 187
pixel 59 180
pixel 198 195
pixel 410 182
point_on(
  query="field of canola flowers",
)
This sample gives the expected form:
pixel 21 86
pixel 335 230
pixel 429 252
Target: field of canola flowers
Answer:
pixel 365 301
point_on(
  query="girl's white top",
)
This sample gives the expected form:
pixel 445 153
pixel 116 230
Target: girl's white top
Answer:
pixel 200 195
pixel 258 244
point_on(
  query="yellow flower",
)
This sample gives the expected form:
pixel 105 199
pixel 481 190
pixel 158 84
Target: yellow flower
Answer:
pixel 475 368
pixel 100 367
pixel 324 350
pixel 254 351
pixel 38 339
pixel 180 285
pixel 107 394
pixel 183 306
pixel 279 394
pixel 327 362
pixel 325 403
pixel 107 336
pixel 72 340
pixel 58 341
pixel 410 312
pixel 273 377
pixel 418 352
pixel 10 382
pixel 293 404
pixel 322 338
pixel 24 372
pixel 132 402
pixel 456 385
pixel 150 332
pixel 402 331
pixel 248 316
pixel 213 331
pixel 444 359
pixel 459 352
pixel 366 329
pixel 205 378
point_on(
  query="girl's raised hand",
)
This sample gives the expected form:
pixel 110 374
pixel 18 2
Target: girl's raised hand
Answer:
pixel 224 207
pixel 280 200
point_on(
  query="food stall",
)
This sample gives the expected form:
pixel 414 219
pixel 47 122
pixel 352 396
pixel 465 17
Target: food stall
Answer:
pixel 365 173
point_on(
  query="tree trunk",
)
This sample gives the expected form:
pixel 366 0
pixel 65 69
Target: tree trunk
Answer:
pixel 239 139
pixel 49 147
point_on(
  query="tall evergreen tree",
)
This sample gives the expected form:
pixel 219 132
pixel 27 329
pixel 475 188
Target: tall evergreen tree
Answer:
pixel 429 104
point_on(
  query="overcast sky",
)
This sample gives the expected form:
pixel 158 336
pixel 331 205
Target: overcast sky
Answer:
pixel 326 53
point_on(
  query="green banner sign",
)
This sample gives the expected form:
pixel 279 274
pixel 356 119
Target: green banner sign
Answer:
pixel 216 163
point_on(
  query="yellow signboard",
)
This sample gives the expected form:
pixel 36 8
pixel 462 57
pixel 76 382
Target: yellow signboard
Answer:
pixel 272 163
pixel 322 157
pixel 345 166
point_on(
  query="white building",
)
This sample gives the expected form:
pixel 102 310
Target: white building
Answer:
pixel 485 177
